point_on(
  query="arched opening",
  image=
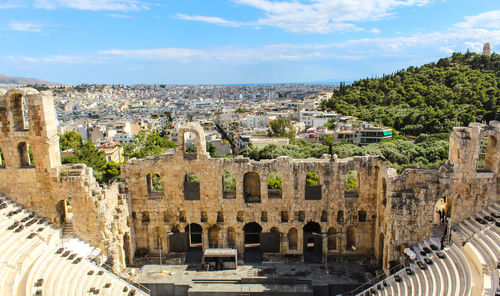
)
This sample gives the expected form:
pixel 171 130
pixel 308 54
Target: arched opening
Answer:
pixel 442 210
pixel 332 238
pixel 127 249
pixel 491 153
pixel 292 239
pixel 351 239
pixel 64 212
pixel 274 185
pixel 213 236
pixel 190 140
pixel 191 187
pixel 351 184
pixel 195 233
pixel 313 242
pixel 25 155
pixel 231 237
pixel 251 187
pixel 362 216
pixel 381 249
pixel 252 233
pixel 155 186
pixel 2 159
pixel 195 243
pixel 228 186
pixel 313 186
pixel 20 112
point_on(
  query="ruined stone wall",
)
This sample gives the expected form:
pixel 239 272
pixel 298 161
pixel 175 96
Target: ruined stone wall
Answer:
pixel 43 183
pixel 384 214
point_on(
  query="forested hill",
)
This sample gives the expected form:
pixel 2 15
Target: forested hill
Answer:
pixel 428 99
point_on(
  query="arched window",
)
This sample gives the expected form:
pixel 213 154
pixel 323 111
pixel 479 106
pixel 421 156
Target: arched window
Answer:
pixel 190 140
pixel 361 216
pixel 274 185
pixel 351 184
pixel 213 236
pixel 251 187
pixel 191 187
pixel 155 186
pixel 25 155
pixel 340 216
pixel 145 217
pixel 313 187
pixel 20 112
pixel 228 186
pixel 292 239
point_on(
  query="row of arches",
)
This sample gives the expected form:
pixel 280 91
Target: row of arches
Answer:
pixel 25 153
pixel 252 185
pixel 254 238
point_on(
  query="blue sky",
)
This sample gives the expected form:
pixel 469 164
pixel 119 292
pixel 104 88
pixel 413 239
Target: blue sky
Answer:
pixel 235 41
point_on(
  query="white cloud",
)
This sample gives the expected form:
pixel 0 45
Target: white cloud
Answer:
pixel 490 19
pixel 24 27
pixel 94 5
pixel 208 19
pixel 316 16
pixel 458 38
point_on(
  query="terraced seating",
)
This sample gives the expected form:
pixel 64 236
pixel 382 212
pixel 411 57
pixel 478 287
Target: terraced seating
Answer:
pixel 33 263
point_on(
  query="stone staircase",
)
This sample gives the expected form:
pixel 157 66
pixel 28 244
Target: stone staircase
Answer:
pixel 67 229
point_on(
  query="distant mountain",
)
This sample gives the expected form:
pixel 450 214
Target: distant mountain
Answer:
pixel 12 81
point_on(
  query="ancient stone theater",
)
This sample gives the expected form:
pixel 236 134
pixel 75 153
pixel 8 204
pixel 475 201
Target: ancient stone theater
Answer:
pixel 184 202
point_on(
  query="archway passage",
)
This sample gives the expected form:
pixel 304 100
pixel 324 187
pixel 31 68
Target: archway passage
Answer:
pixel 64 212
pixel 251 187
pixel 351 239
pixel 381 249
pixel 195 243
pixel 253 251
pixel 313 242
pixel 126 249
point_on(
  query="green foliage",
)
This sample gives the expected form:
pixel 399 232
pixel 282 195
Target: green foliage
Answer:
pixel 156 184
pixel 69 140
pixel 192 178
pixel 229 182
pixel 110 170
pixel 312 179
pixel 428 99
pixel 400 153
pixel 147 145
pixel 90 155
pixel 274 181
pixel 351 180
pixel 283 128
pixel 240 110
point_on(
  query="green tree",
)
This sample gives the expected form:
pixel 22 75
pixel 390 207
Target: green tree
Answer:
pixel 283 128
pixel 110 170
pixel 274 181
pixel 312 179
pixel 69 140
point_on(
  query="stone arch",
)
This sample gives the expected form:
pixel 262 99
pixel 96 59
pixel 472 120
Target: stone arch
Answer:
pixel 313 242
pixel 231 237
pixel 228 185
pixel 274 185
pixel 292 239
pixel 252 231
pixel 332 238
pixel 351 184
pixel 196 132
pixel 312 186
pixel 25 155
pixel 154 184
pixel 351 238
pixel 251 187
pixel 190 148
pixel 442 210
pixel 64 212
pixel 191 186
pixel 20 112
pixel 213 236
pixel 195 235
